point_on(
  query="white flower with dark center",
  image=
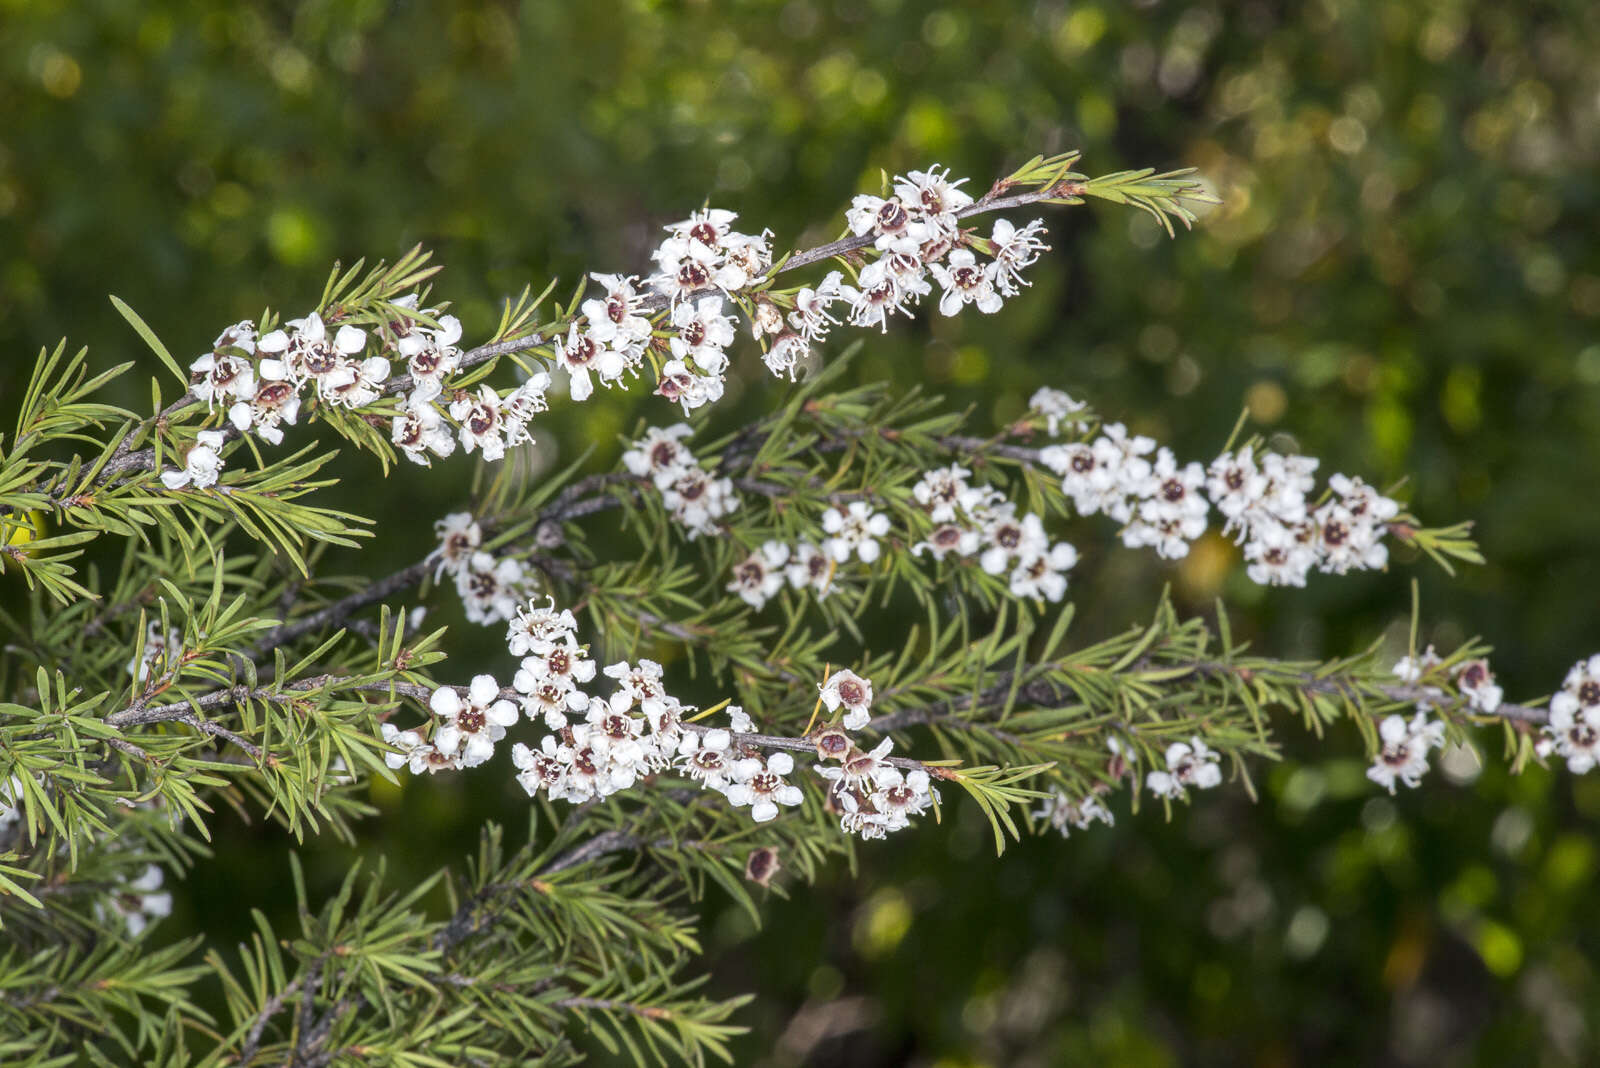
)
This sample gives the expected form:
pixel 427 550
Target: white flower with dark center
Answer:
pixel 1189 763
pixel 966 281
pixel 937 199
pixel 1092 477
pixel 1277 557
pixel 541 768
pixel 845 689
pixel 900 797
pixel 949 538
pixel 226 371
pixel 785 354
pixel 1403 752
pixel 697 500
pixel 202 464
pixel 1290 480
pixel 1413 668
pixel 759 576
pixel 703 332
pixel 1345 541
pixel 864 771
pixel 679 384
pixel 1009 538
pixel 1236 487
pixel 521 405
pixel 303 353
pixel 879 296
pixel 660 455
pixel 746 258
pixel 617 736
pixel 1580 690
pixel 1042 574
pixel 276 401
pixel 855 530
pixel 429 352
pixel 638 686
pixel 550 699
pixel 418 429
pixel 364 385
pixel 1056 408
pixel 939 491
pixel 1061 811
pixel 1362 501
pixel 1015 249
pixel 459 537
pixel 480 421
pixel 416 753
pixel 762 786
pixel 566 663
pixel 710 227
pixel 810 567
pixel 614 320
pixel 470 726
pixel 810 316
pixel 490 589
pixel 708 758
pixel 1477 685
pixel 1574 735
pixel 536 629
pixel 888 219
pixel 139 901
pixel 1176 492
pixel 579 354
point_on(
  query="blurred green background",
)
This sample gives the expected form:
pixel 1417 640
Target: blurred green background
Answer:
pixel 1404 279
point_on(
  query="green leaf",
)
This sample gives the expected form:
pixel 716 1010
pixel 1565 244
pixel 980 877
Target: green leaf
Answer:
pixel 149 335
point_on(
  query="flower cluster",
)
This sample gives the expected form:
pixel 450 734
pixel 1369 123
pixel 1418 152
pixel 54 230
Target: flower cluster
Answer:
pixel 871 794
pixel 696 498
pixel 1573 732
pixel 491 587
pixel 980 520
pixel 1267 504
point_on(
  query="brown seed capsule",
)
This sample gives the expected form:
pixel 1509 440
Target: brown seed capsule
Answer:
pixel 832 744
pixel 762 866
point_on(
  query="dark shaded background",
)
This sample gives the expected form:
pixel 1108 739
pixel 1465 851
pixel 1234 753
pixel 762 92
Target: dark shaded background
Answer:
pixel 1404 279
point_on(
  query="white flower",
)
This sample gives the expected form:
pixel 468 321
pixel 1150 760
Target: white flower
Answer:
pixel 490 589
pixel 1014 249
pixel 201 464
pixel 760 575
pixel 615 319
pixel 521 405
pixel 785 354
pixel 1061 811
pixel 579 354
pixel 470 727
pixel 1277 557
pixel 638 686
pixel 218 375
pixel 1574 733
pixel 418 429
pixel 362 386
pixel 1477 685
pixel 1091 476
pixel 810 566
pixel 680 384
pixel 542 767
pixel 416 754
pixel 1403 753
pixel 888 219
pixel 308 356
pixel 703 332
pixel 931 192
pixel 852 692
pixel 708 758
pixel 537 629
pixel 480 421
pixel 1189 763
pixel 854 530
pixel 810 316
pixel 746 259
pixel 1056 407
pixel 698 500
pixel 1345 541
pixel 739 720
pixel 897 801
pixel 139 901
pixel 762 786
pixel 276 401
pixel 880 295
pixel 1236 487
pixel 966 281
pixel 949 538
pixel 660 455
pixel 1580 690
pixel 1009 538
pixel 939 491
pixel 1040 575
pixel 459 537
pixel 429 352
